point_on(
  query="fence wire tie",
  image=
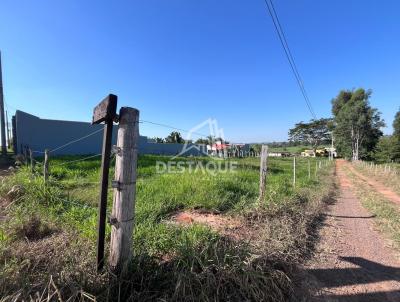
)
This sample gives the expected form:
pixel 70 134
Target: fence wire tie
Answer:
pixel 113 221
pixel 116 150
pixel 116 184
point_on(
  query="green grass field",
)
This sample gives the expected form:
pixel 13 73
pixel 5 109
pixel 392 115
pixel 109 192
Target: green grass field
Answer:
pixel 294 149
pixel 197 256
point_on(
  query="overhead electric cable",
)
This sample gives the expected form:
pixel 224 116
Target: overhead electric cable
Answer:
pixel 288 53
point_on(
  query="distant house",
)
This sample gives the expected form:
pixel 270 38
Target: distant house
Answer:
pixel 275 154
pixel 333 150
pixel 319 152
pixel 308 153
pixel 220 149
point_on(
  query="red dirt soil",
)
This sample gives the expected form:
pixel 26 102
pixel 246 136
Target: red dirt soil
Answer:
pixel 377 186
pixel 233 227
pixel 353 261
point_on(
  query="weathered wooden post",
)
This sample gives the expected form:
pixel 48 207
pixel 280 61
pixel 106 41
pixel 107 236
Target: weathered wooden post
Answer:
pixel 309 169
pixel 14 135
pixel 123 212
pixel 46 165
pixel 106 112
pixel 26 155
pixel 32 160
pixel 316 169
pixel 263 172
pixel 294 171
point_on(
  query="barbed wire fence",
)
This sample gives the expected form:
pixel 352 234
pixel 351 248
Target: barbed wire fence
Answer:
pixel 388 169
pixel 71 192
pixel 34 164
pixel 253 164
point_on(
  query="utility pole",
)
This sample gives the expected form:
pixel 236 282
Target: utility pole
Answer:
pixel 2 124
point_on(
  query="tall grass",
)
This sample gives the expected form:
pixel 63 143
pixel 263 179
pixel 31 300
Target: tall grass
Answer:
pixel 388 174
pixel 170 261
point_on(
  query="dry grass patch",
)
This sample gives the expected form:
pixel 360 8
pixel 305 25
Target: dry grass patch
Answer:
pixel 34 229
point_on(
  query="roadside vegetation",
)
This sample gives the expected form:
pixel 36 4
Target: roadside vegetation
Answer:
pixel 296 149
pixel 387 174
pixel 48 233
pixel 387 214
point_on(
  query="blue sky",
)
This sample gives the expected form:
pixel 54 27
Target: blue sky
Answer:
pixel 181 62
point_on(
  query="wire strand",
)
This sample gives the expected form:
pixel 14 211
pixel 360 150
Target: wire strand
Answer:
pixel 76 161
pixel 77 140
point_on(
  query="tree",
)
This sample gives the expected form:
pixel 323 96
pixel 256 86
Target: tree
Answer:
pixel 396 137
pixel 357 124
pixel 174 137
pixel 396 125
pixel 385 149
pixel 312 133
pixel 158 140
pixel 256 147
pixel 202 141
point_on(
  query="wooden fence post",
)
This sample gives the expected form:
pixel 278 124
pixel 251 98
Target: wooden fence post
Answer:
pixel 309 169
pixel 32 161
pixel 25 152
pixel 316 169
pixel 294 171
pixel 123 212
pixel 46 165
pixel 263 172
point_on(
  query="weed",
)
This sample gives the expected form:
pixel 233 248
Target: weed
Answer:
pixel 170 262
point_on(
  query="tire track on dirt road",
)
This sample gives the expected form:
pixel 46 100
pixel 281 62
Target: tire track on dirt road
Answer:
pixel 353 262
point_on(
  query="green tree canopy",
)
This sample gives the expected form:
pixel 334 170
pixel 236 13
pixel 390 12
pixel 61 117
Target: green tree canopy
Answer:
pixel 313 133
pixel 175 137
pixel 385 149
pixel 158 140
pixel 202 141
pixel 357 124
pixel 396 125
pixel 396 137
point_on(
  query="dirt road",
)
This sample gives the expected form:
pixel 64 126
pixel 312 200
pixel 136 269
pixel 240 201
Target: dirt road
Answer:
pixel 354 261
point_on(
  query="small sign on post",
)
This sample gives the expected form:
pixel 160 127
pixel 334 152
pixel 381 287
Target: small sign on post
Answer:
pixel 263 172
pixel 105 112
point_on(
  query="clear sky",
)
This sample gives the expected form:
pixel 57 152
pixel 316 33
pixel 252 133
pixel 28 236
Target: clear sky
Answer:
pixel 183 61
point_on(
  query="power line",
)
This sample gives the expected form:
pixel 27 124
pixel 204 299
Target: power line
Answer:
pixel 288 53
